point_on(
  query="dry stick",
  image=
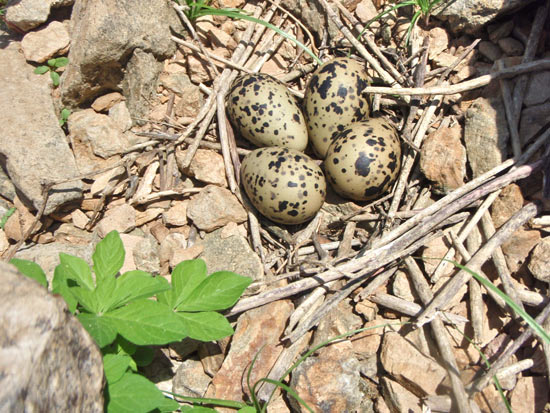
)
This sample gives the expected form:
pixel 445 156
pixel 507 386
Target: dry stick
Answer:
pixel 509 111
pixel 446 294
pixel 371 43
pixel 224 141
pixel 500 262
pixel 474 290
pixel 360 48
pixel 479 384
pixel 536 66
pixel 443 343
pixel 528 55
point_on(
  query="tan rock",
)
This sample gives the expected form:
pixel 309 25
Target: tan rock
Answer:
pixel 199 69
pixel 213 207
pixel 257 331
pixel 402 287
pixel 230 3
pixel 150 214
pixel 365 11
pixel 19 222
pixel 122 218
pixel 216 36
pixel 4 243
pixel 439 41
pixel 517 249
pixel 171 243
pixel 120 114
pixel 511 46
pixel 489 50
pixel 79 218
pixel 530 394
pixel 130 243
pixel 186 254
pixel 107 101
pixel 540 259
pixel 434 249
pixel 415 371
pixel 177 214
pixel 190 103
pixel 443 158
pixel 508 202
pixel 207 166
pixel 41 45
pixel 398 398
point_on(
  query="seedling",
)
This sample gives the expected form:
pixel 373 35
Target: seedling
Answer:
pixel 52 66
pixel 65 113
pixel 119 313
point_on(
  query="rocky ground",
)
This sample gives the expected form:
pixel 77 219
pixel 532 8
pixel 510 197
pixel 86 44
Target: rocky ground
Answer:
pixel 156 160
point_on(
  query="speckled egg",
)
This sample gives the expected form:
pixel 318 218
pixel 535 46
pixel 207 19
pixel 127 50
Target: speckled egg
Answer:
pixel 333 100
pixel 264 112
pixel 363 161
pixel 285 185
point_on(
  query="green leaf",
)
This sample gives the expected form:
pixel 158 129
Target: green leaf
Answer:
pixel 51 62
pixel 55 78
pixel 31 270
pixel 247 409
pixel 109 255
pixel 40 70
pixel 104 293
pixel 200 409
pixel 146 322
pixel 133 285
pixel 133 393
pixel 60 285
pixel 218 291
pixel 76 269
pixel 115 365
pixel 99 327
pixel 206 326
pixel 61 61
pixel 87 299
pixel 186 276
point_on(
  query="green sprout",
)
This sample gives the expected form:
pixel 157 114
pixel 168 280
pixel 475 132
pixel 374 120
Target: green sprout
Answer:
pixel 52 66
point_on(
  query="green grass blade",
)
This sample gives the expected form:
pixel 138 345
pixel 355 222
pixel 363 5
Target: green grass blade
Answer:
pixel 289 390
pixel 211 402
pixel 489 285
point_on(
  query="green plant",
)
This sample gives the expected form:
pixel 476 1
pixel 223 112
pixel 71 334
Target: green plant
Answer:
pixel 64 115
pixel 52 66
pixel 422 8
pixel 200 8
pixel 6 216
pixel 119 313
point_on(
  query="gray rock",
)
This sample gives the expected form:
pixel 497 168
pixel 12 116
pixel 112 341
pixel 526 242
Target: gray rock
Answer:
pixel 33 147
pixel 471 15
pixel 511 46
pixel 537 90
pixel 231 254
pixel 485 134
pixel 190 379
pixel 489 50
pixel 101 48
pixel 28 14
pixel 313 16
pixel 532 120
pixel 7 190
pixel 47 255
pixel 48 362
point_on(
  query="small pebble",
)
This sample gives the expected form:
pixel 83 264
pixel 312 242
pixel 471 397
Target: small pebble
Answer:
pixel 511 46
pixel 489 50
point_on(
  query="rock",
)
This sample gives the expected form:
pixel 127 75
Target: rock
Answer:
pixel 231 254
pixel 28 14
pixel 199 69
pixel 540 257
pixel 511 46
pixel 517 249
pixel 189 253
pixel 191 102
pixel 43 44
pixel 530 394
pixel 120 115
pixel 485 135
pixel 443 159
pixel 47 255
pixel 98 131
pixel 141 254
pixel 471 15
pixel 206 166
pixel 79 219
pixel 415 371
pixel 508 202
pixel 312 14
pixel 257 330
pixel 216 36
pixel 537 89
pixel 48 361
pixel 121 218
pixel 436 248
pixel 398 398
pixel 532 120
pixel 401 286
pixel 169 245
pixel 7 189
pixel 177 214
pixel 365 11
pixel 439 41
pixel 190 379
pixel 329 381
pixel 4 243
pixel 214 207
pixel 107 101
pixel 500 30
pixel 211 356
pixel 104 55
pixel 489 50
pixel 33 147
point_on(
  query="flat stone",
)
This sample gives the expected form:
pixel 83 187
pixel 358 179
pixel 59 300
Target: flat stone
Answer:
pixel 28 14
pixel 517 249
pixel 190 379
pixel 530 394
pixel 120 115
pixel 415 371
pixel 107 101
pixel 489 50
pixel 398 398
pixel 177 214
pixel 141 254
pixel 511 46
pixel 500 30
pixel 41 45
pixel 216 36
pixel 537 89
pixel 538 263
pixel 32 144
pixel 508 202
pixel 206 166
pixel 169 245
pixel 121 218
pixel 439 41
pixel 533 119
pixel 485 135
pixel 4 243
pixel 214 207
pixel 365 11
pixel 48 361
pixel 99 131
pixel 443 159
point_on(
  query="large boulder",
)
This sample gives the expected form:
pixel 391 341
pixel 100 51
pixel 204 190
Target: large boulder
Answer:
pixel 48 361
